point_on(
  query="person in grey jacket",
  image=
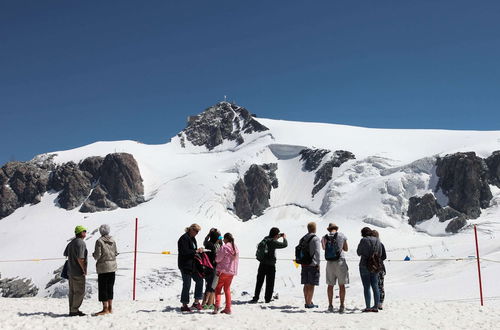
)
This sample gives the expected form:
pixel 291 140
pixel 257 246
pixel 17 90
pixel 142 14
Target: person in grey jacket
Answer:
pixel 309 275
pixel 105 253
pixel 366 248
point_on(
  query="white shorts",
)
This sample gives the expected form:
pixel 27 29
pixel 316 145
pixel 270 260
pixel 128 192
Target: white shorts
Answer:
pixel 337 271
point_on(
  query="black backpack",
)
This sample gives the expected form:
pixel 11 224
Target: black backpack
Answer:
pixel 332 251
pixel 374 262
pixel 302 252
pixel 262 249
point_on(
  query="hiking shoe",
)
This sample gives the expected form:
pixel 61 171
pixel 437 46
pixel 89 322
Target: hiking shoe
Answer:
pixel 185 308
pixel 310 306
pixel 216 310
pixel 226 311
pixel 197 306
pixel 268 301
pixel 208 306
pixel 253 301
pixel 77 314
pixel 341 309
pixel 330 309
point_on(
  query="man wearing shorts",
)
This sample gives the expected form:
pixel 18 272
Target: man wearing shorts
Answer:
pixel 309 275
pixel 336 270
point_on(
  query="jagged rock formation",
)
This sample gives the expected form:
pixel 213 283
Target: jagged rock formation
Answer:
pixel 57 277
pixel 223 121
pixel 252 194
pixel 312 159
pixel 493 163
pixel 422 208
pixel 17 288
pixel 111 182
pixel 426 207
pixel 463 177
pixel 21 183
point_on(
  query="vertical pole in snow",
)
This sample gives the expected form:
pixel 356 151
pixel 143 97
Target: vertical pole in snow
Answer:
pixel 478 267
pixel 135 259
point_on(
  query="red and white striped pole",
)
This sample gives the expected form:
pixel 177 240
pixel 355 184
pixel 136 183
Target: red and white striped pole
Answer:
pixel 135 259
pixel 478 267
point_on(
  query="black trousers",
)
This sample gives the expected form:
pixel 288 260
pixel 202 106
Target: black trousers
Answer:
pixel 106 282
pixel 269 273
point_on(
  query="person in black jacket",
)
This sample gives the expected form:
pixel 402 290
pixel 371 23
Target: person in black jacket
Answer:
pixel 212 243
pixel 187 249
pixel 267 267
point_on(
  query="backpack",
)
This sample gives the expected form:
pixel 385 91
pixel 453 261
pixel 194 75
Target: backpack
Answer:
pixel 262 250
pixel 202 265
pixel 302 253
pixel 374 263
pixel 332 250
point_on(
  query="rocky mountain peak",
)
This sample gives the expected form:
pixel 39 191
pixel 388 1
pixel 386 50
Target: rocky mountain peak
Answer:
pixel 223 121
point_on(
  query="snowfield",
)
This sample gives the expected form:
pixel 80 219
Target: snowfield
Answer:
pixel 42 313
pixel 438 288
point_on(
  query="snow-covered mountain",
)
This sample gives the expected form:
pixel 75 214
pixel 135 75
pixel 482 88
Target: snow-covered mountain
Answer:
pixel 422 189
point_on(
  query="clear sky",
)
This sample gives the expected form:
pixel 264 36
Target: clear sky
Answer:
pixel 76 72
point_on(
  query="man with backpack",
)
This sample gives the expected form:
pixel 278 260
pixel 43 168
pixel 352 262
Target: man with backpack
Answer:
pixel 266 254
pixel 307 253
pixel 335 243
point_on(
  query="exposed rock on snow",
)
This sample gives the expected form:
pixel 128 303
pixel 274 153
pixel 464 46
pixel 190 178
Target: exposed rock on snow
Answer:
pixel 426 207
pixel 312 158
pixel 74 183
pixel 21 183
pixel 324 174
pixel 122 180
pixel 116 180
pixel 253 193
pixel 17 288
pixel 463 177
pixel 223 121
pixel 493 163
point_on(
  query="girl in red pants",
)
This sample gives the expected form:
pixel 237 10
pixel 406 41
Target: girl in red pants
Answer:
pixel 227 266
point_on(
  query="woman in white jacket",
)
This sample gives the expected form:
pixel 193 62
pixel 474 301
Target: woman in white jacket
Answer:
pixel 105 255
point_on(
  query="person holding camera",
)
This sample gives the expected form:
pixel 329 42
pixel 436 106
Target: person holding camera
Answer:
pixel 267 266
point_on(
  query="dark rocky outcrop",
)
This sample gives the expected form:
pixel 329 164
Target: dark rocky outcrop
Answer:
pixel 424 208
pixel 28 181
pixel 121 179
pixel 463 177
pixel 456 224
pixel 223 121
pixel 312 158
pixel 114 181
pixel 99 200
pixel 74 183
pixel 57 277
pixel 17 288
pixel 92 165
pixel 324 174
pixel 252 194
pixel 241 202
pixel 493 163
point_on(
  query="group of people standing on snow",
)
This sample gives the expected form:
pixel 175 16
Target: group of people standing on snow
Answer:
pixel 217 263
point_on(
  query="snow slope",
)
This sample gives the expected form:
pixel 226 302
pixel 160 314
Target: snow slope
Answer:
pixel 186 185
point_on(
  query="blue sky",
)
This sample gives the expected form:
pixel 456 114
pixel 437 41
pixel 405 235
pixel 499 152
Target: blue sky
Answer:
pixel 76 72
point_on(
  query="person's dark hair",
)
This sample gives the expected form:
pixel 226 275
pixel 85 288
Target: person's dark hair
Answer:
pixel 274 231
pixel 209 235
pixel 214 236
pixel 366 231
pixel 230 239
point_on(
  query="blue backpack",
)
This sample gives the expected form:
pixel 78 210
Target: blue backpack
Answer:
pixel 332 250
